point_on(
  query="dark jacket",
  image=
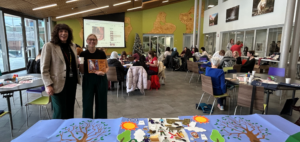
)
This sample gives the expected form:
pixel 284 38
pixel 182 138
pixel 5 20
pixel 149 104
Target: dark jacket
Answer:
pixel 138 63
pixel 175 54
pixel 239 60
pixel 248 66
pixel 227 62
pixel 119 67
pixel 33 66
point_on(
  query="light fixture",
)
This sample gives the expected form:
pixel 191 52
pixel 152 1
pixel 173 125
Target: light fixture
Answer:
pixel 211 5
pixel 122 3
pixel 134 8
pixel 46 6
pixel 70 1
pixel 82 12
pixel 165 1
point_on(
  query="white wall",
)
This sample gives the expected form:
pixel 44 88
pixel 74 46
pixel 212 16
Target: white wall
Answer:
pixel 245 21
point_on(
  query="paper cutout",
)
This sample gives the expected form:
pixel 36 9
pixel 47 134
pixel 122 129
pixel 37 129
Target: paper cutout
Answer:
pixel 133 140
pixel 128 27
pixel 128 125
pixel 293 138
pixel 192 124
pixel 201 119
pixel 160 25
pixel 196 129
pixel 203 137
pixel 188 19
pixel 237 126
pixel 184 122
pixel 139 135
pixel 195 135
pixel 215 136
pixel 154 138
pixel 141 122
pixel 125 136
pixel 171 129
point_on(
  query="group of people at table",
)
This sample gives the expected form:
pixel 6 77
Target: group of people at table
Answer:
pixel 59 71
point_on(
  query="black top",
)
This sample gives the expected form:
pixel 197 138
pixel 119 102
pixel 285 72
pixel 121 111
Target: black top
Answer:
pixel 66 51
pixel 248 66
pixel 238 60
pixel 174 54
pixel 98 54
pixel 119 67
pixel 138 63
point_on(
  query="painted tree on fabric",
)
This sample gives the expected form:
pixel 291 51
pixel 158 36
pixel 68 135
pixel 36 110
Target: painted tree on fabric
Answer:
pixel 235 127
pixel 86 131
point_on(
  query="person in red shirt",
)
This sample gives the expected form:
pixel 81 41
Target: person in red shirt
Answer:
pixel 237 47
pixel 153 64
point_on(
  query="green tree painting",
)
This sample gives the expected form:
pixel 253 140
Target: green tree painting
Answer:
pixel 86 131
pixel 235 127
pixel 125 136
pixel 216 136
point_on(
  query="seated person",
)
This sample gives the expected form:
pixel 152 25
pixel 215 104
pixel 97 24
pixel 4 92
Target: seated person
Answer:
pixel 196 54
pixel 219 54
pixel 249 65
pixel 228 60
pixel 175 56
pixel 203 52
pixel 183 52
pixel 238 59
pixel 218 80
pixel 123 56
pixel 139 61
pixel 153 64
pixel 114 62
pixel 167 52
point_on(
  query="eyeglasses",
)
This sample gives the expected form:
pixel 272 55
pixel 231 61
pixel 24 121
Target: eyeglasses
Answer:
pixel 92 39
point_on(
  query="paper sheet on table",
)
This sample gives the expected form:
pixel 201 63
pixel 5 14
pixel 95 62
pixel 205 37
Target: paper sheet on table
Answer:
pixel 1 80
pixel 10 85
pixel 25 77
pixel 25 81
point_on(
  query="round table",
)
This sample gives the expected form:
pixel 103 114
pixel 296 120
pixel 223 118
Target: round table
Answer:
pixel 8 92
pixel 265 76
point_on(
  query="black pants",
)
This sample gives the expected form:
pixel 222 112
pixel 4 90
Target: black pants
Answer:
pixel 63 102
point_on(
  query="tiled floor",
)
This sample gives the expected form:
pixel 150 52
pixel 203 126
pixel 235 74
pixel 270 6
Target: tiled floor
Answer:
pixel 176 98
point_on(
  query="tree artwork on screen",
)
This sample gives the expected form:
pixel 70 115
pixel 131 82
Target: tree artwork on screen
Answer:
pixel 236 127
pixel 85 131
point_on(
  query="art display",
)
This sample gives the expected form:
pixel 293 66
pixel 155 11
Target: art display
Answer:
pixel 215 128
pixel 97 65
pixel 128 27
pixel 232 14
pixel 262 7
pixel 99 32
pixel 259 46
pixel 188 19
pixel 160 26
pixel 213 19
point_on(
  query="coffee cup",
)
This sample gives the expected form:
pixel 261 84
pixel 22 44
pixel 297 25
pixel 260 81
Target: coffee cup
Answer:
pixel 246 79
pixel 253 73
pixel 287 80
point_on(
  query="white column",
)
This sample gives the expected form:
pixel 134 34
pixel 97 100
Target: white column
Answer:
pixel 286 35
pixel 195 18
pixel 50 27
pixel 46 30
pixel 295 45
pixel 199 23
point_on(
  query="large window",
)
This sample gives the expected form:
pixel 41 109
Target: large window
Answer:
pixel 210 43
pixel 2 52
pixel 274 39
pixel 42 41
pixel 157 43
pixel 210 4
pixel 14 36
pixel 260 42
pixel 31 39
pixel 249 39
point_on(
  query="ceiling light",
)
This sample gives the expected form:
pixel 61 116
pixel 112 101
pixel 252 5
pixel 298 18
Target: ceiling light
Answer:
pixel 211 5
pixel 81 12
pixel 70 1
pixel 165 1
pixel 134 8
pixel 122 3
pixel 42 7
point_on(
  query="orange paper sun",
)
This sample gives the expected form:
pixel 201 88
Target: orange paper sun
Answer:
pixel 201 119
pixel 129 125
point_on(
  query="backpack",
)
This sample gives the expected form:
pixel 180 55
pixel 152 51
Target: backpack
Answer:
pixel 155 82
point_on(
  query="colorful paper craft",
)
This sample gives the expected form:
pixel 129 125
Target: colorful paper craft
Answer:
pixel 203 137
pixel 201 119
pixel 139 135
pixel 196 129
pixel 216 136
pixel 195 135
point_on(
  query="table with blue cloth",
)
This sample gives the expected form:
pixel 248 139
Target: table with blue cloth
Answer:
pixel 213 128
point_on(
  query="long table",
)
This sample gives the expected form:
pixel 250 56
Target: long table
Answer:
pixel 233 128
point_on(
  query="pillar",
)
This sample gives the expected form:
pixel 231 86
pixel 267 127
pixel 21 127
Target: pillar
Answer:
pixel 199 23
pixel 194 27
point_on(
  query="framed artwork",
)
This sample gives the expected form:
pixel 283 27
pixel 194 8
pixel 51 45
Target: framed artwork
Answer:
pixel 232 14
pixel 262 7
pixel 213 19
pixel 97 65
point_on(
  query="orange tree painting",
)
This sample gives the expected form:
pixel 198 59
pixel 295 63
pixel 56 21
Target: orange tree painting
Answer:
pixel 85 131
pixel 236 127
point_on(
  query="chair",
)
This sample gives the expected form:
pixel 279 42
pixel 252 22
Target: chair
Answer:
pixel 191 59
pixel 189 67
pixel 112 76
pixel 203 59
pixel 194 69
pixel 3 114
pixel 276 72
pixel 245 95
pixel 231 71
pixel 207 87
pixel 225 69
pixel 41 102
pixel 237 67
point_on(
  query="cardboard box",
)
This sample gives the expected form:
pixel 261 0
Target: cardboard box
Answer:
pixel 261 68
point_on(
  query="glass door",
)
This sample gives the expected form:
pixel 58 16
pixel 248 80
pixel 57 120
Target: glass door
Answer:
pixel 240 36
pixel 260 45
pixel 210 43
pixel 14 34
pixel 274 39
pixel 31 39
pixel 225 41
pixel 249 39
pixel 41 33
pixel 146 43
pixel 187 41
